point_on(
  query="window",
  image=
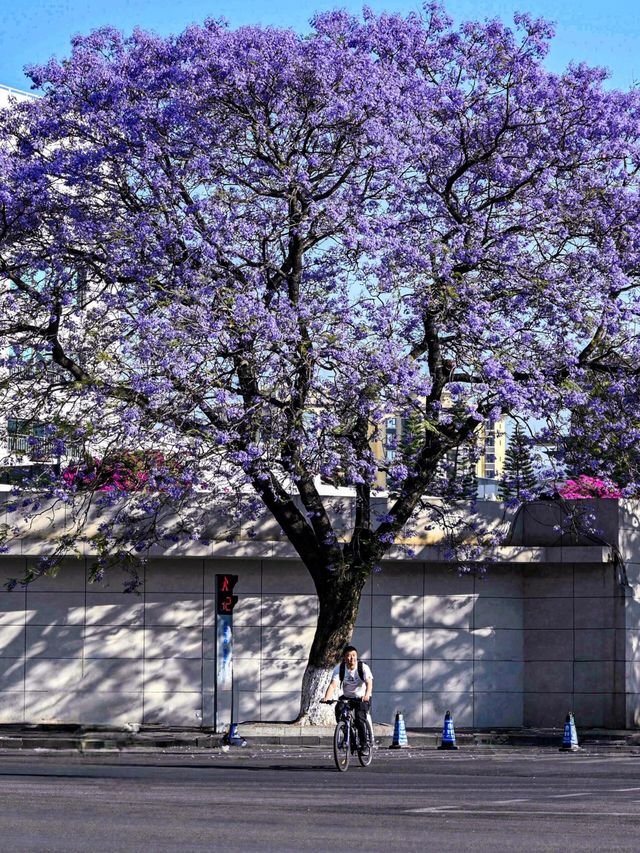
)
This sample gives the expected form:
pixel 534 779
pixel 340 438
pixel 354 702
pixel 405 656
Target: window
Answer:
pixel 391 439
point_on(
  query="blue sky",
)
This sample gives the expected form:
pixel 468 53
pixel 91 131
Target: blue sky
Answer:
pixel 600 33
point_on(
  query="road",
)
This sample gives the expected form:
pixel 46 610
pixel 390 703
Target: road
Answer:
pixel 293 799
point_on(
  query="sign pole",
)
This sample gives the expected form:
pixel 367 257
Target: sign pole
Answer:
pixel 225 602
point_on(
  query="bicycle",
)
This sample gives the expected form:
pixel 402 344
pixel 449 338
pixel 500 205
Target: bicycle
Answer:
pixel 346 741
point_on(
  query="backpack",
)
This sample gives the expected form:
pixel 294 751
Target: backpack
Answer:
pixel 343 668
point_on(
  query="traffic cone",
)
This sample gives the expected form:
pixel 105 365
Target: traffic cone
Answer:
pixel 233 738
pixel 399 734
pixel 448 733
pixel 570 736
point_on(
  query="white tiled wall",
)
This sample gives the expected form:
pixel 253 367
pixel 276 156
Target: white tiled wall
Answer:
pixel 629 543
pixel 520 645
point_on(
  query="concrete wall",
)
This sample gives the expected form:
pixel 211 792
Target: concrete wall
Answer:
pixel 629 544
pixel 520 645
pixel 72 651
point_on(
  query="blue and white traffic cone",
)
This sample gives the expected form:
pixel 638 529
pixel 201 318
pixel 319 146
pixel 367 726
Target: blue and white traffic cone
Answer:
pixel 570 736
pixel 448 733
pixel 233 738
pixel 399 740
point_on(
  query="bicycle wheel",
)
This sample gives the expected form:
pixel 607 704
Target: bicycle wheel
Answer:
pixel 341 746
pixel 365 753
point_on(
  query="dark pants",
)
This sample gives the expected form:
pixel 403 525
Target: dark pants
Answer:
pixel 360 711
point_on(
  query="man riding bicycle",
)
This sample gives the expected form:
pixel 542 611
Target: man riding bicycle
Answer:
pixel 357 687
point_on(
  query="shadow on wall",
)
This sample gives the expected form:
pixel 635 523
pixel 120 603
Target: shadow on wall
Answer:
pixel 102 658
pixel 272 638
pixel 563 523
pixel 288 611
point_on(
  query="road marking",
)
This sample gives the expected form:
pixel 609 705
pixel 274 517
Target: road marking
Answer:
pixel 490 808
pixel 433 809
pixel 579 794
pixel 533 813
pixel 508 802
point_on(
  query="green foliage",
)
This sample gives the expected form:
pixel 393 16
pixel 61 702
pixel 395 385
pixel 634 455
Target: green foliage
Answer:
pixel 519 479
pixel 414 428
pixel 460 481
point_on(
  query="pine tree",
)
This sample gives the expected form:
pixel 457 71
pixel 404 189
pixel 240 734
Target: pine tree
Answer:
pixel 457 475
pixel 518 475
pixel 469 479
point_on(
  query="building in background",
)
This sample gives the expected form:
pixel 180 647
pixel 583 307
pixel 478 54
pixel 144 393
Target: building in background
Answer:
pixel 485 461
pixel 26 445
pixel 8 92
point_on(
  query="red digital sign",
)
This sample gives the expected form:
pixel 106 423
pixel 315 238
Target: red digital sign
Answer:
pixel 225 600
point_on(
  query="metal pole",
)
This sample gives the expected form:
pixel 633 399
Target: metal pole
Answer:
pixel 233 719
pixel 215 669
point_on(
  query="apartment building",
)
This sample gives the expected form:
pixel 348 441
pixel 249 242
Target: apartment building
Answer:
pixel 486 459
pixel 24 443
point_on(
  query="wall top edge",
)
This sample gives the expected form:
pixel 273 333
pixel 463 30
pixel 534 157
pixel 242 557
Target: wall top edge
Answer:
pixel 283 551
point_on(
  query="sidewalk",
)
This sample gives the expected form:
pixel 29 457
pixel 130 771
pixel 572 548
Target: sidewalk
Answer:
pixel 89 738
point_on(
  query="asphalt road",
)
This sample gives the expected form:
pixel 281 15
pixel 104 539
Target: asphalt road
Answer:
pixel 293 799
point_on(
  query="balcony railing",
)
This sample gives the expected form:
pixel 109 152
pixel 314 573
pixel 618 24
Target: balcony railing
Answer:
pixel 39 372
pixel 37 448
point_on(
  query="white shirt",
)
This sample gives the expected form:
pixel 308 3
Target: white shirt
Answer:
pixel 353 687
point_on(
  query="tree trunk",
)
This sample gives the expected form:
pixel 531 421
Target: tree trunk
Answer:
pixel 339 595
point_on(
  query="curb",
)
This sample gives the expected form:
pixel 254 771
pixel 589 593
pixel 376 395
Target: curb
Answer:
pixel 88 739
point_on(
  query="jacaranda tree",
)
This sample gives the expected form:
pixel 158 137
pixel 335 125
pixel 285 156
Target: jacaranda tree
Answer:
pixel 243 250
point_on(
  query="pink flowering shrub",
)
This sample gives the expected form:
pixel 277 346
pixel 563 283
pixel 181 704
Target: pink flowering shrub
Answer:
pixel 588 487
pixel 130 472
